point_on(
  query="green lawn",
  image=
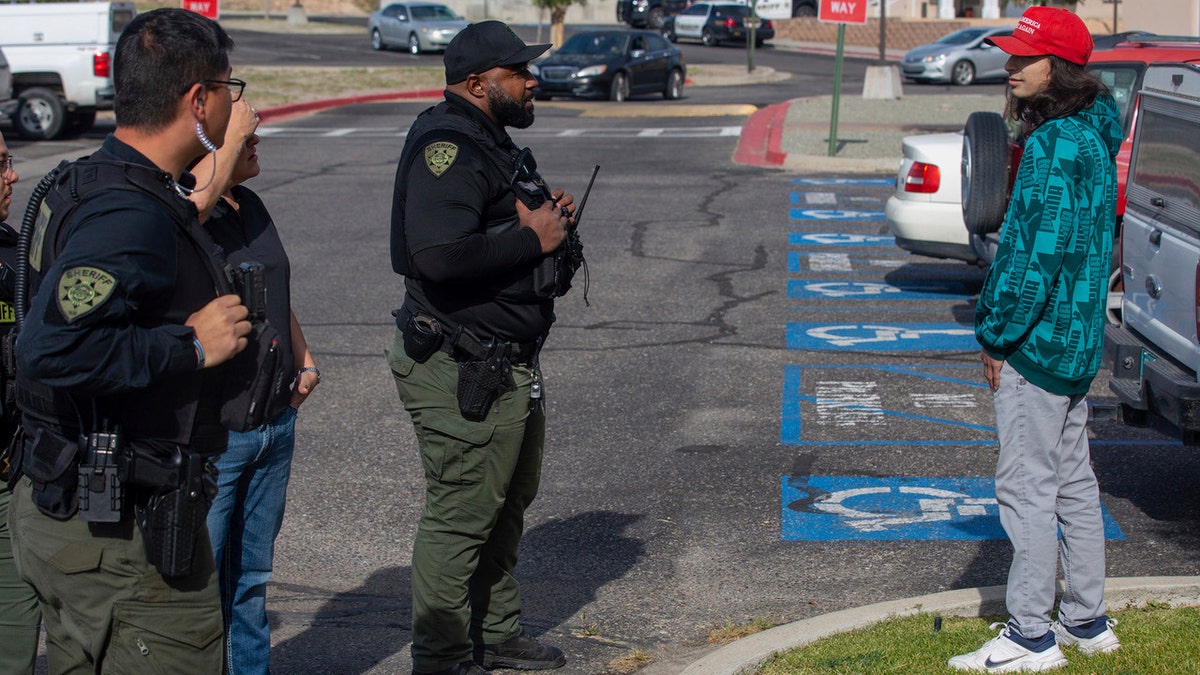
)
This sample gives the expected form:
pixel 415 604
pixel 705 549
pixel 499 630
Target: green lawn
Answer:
pixel 1155 640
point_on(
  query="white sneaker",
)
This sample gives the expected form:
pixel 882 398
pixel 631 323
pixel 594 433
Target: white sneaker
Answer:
pixel 1101 643
pixel 1002 654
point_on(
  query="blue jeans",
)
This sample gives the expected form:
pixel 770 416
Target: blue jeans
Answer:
pixel 243 522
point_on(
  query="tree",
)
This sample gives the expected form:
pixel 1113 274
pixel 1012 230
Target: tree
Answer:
pixel 558 15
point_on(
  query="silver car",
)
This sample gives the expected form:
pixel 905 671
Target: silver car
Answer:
pixel 962 57
pixel 419 26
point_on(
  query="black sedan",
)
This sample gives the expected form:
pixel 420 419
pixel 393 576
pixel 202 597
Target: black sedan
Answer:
pixel 613 64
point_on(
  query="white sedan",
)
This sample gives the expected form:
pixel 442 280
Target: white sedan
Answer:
pixel 925 214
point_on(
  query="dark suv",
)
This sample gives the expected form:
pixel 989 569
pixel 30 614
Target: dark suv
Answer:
pixel 648 13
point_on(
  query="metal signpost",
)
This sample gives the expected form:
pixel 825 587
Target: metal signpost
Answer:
pixel 841 12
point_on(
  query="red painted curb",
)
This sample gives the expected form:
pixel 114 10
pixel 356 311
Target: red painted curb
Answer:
pixel 762 137
pixel 284 111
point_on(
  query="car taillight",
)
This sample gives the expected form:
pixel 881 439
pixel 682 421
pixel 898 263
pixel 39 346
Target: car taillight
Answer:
pixel 766 23
pixel 923 177
pixel 730 23
pixel 101 64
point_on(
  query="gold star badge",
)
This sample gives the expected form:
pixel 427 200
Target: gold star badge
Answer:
pixel 439 155
pixel 82 289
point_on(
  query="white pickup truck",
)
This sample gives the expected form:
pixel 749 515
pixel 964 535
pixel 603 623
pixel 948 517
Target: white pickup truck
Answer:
pixel 1154 352
pixel 61 59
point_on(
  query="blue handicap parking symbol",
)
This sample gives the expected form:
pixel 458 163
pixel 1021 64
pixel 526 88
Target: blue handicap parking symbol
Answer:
pixel 881 337
pixel 840 239
pixel 837 508
pixel 834 214
pixel 878 290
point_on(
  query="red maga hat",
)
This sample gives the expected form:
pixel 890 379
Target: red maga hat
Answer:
pixel 1047 30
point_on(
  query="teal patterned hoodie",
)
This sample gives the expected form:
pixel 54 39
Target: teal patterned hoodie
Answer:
pixel 1042 304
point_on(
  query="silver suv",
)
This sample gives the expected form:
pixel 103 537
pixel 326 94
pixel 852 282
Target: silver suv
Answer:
pixel 1154 351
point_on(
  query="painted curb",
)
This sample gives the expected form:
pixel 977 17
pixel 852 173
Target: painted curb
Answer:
pixel 746 654
pixel 282 112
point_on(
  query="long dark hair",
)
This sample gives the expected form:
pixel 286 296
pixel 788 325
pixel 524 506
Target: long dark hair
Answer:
pixel 1072 88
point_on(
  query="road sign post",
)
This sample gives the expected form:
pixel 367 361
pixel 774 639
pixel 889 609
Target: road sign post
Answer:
pixel 841 12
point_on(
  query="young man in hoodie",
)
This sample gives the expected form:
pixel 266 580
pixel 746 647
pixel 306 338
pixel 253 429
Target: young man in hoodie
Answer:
pixel 1040 320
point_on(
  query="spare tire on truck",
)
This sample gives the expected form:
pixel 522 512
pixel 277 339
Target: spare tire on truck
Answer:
pixel 985 172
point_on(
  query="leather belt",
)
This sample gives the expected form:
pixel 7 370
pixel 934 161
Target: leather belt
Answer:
pixel 462 345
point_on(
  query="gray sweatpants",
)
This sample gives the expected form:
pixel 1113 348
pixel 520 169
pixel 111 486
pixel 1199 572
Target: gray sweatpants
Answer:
pixel 1044 484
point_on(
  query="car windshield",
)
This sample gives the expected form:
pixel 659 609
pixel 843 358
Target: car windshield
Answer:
pixel 594 43
pixel 433 13
pixel 962 37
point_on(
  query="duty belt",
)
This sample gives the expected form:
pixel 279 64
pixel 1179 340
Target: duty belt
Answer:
pixel 462 345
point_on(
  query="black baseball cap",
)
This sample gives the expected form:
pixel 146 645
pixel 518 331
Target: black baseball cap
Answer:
pixel 485 45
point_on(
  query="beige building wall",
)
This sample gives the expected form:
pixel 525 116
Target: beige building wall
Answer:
pixel 1165 17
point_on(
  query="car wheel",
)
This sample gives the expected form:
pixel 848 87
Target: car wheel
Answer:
pixel 803 10
pixel 40 114
pixel 655 18
pixel 377 41
pixel 674 89
pixel 708 38
pixel 620 88
pixel 985 169
pixel 414 44
pixel 79 122
pixel 963 73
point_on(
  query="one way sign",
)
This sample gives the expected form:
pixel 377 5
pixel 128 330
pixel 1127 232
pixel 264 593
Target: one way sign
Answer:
pixel 843 11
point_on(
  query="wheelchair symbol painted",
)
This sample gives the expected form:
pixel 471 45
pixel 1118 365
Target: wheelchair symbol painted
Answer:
pixel 934 505
pixel 840 239
pixel 851 289
pixel 854 334
pixel 834 214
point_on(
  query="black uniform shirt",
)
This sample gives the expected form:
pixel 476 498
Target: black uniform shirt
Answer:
pixel 248 234
pixel 118 332
pixel 470 257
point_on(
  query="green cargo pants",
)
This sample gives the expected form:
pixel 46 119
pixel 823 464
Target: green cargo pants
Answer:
pixel 479 479
pixel 19 615
pixel 106 609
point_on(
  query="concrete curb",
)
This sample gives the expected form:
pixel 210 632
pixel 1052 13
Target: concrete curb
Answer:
pixel 283 112
pixel 746 654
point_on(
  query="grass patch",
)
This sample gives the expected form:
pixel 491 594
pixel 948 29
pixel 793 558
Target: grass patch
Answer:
pixel 730 631
pixel 273 86
pixel 630 662
pixel 1155 640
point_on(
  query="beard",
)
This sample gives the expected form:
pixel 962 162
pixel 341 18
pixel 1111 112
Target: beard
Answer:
pixel 509 112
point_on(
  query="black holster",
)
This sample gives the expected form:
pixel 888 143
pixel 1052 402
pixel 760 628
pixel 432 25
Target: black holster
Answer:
pixel 481 381
pixel 177 489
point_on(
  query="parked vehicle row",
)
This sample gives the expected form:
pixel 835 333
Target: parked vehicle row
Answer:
pixel 715 22
pixel 927 216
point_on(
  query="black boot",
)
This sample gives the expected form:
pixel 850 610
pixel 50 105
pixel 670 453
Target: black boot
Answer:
pixel 522 653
